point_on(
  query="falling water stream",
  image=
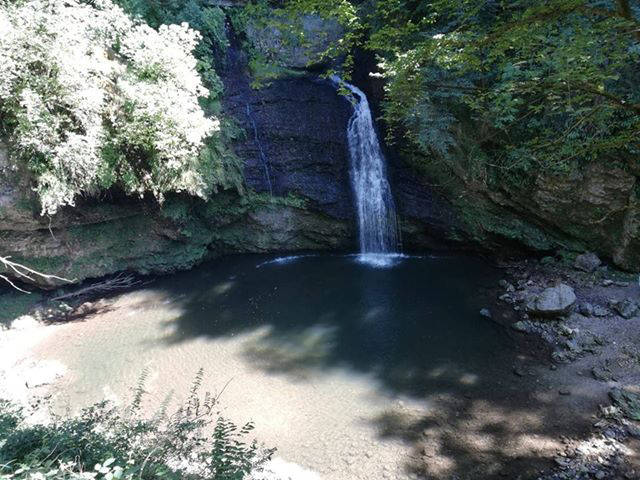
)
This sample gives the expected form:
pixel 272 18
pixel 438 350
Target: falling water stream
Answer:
pixel 263 156
pixel 377 221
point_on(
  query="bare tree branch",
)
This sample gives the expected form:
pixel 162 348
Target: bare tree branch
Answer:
pixel 119 282
pixel 8 280
pixel 20 270
pixel 585 87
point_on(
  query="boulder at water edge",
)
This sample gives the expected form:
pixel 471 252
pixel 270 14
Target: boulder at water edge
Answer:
pixel 587 262
pixel 552 301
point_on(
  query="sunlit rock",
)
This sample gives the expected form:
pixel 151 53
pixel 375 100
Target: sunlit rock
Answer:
pixel 552 301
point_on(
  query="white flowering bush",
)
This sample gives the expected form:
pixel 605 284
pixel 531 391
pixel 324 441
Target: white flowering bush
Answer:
pixel 91 98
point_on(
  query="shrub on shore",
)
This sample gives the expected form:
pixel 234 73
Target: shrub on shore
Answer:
pixel 110 442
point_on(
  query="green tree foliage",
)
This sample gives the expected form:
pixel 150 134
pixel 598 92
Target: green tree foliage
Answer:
pixel 224 168
pixel 206 19
pixel 107 443
pixel 268 52
pixel 513 86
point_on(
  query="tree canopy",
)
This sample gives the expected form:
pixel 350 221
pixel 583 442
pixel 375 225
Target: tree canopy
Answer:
pixel 512 86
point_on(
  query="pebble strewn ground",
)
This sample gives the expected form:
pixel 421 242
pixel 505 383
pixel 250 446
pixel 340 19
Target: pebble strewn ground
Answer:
pixel 595 341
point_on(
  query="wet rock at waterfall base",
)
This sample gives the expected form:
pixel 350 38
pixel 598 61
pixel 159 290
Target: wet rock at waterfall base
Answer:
pixel 551 302
pixel 587 262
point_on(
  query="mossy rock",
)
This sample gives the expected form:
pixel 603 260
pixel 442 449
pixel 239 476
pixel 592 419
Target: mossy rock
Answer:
pixel 628 402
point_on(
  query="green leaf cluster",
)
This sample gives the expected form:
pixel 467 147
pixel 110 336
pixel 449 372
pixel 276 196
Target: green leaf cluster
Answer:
pixel 92 99
pixel 106 442
pixel 218 161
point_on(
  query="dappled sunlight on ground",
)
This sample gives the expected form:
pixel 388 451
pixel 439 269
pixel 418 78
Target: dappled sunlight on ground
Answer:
pixel 471 438
pixel 296 352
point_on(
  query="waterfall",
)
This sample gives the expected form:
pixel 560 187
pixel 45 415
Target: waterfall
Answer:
pixel 377 221
pixel 263 156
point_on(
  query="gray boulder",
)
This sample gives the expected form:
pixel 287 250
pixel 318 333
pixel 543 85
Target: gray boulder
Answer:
pixel 587 262
pixel 590 310
pixel 600 311
pixel 586 309
pixel 553 301
pixel 626 308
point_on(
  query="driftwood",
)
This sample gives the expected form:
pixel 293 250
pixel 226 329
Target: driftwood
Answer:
pixel 119 282
pixel 20 271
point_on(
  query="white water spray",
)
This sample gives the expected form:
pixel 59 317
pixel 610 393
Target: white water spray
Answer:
pixel 377 221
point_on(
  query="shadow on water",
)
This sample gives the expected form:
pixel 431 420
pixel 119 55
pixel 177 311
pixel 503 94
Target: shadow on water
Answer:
pixel 414 328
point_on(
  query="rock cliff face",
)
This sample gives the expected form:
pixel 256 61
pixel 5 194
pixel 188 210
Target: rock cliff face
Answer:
pixel 96 239
pixel 594 208
pixel 296 168
pixel 427 218
pixel 295 140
